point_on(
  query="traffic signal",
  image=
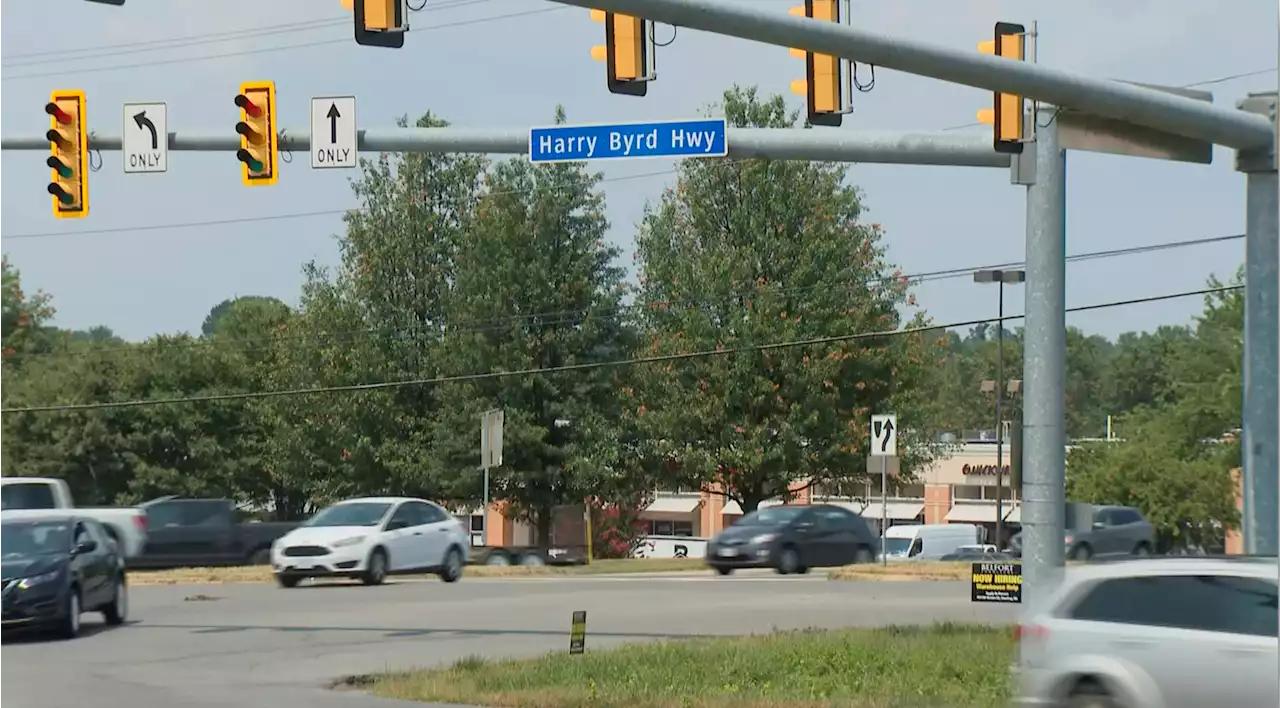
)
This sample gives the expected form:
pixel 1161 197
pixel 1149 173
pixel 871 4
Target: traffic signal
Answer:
pixel 379 23
pixel 823 84
pixel 1007 115
pixel 627 52
pixel 259 151
pixel 69 154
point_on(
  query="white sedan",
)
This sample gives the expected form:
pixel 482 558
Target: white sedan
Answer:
pixel 370 538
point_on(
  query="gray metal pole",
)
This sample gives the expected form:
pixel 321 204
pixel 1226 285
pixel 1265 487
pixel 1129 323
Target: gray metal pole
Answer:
pixel 905 148
pixel 484 513
pixel 1000 417
pixel 884 508
pixel 1261 461
pixel 1044 354
pixel 1111 99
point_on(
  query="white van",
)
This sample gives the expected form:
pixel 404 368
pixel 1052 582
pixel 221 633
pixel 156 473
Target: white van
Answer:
pixel 929 541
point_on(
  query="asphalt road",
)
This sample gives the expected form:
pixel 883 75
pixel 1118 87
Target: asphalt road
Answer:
pixel 253 646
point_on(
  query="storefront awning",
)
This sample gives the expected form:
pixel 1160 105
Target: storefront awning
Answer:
pixel 898 511
pixel 972 514
pixel 673 505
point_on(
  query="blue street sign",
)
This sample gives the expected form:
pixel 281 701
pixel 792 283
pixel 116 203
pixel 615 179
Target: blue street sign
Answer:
pixel 685 138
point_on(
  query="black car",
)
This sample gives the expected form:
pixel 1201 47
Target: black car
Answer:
pixel 793 538
pixel 56 567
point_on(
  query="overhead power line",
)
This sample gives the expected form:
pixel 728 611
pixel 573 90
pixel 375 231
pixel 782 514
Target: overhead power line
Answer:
pixel 663 358
pixel 583 315
pixel 277 48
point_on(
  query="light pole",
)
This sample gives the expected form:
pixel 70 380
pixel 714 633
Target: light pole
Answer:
pixel 1000 277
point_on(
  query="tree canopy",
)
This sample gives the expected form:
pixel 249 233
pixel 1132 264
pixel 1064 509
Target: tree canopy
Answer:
pixel 762 325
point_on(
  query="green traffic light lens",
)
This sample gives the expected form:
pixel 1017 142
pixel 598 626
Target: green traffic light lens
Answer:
pixel 255 165
pixel 64 172
pixel 66 198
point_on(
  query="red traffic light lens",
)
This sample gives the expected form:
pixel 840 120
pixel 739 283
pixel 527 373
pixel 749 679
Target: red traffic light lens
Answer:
pixel 249 107
pixel 60 115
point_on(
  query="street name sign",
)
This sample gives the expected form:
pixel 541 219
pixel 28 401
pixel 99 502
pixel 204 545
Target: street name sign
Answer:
pixel 333 132
pixel 573 143
pixel 146 137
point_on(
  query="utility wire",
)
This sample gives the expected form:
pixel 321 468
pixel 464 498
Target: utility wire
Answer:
pixel 585 315
pixel 278 48
pixel 617 363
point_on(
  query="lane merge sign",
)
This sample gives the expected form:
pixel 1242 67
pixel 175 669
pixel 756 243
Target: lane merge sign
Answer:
pixel 573 143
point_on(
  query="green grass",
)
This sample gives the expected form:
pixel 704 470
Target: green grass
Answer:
pixel 945 665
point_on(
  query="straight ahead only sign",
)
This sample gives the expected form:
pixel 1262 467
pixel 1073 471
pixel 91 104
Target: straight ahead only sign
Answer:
pixel 333 132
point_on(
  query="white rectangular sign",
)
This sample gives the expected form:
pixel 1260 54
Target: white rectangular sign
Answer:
pixel 333 132
pixel 491 439
pixel 146 137
pixel 884 435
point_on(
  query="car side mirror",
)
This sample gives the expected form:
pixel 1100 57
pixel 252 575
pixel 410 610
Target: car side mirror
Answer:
pixel 86 547
pixel 1099 525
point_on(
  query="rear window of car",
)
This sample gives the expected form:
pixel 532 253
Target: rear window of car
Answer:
pixel 1210 603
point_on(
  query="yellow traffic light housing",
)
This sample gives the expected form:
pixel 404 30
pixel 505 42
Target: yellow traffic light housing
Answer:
pixel 69 154
pixel 1007 115
pixel 259 151
pixel 627 52
pixel 379 23
pixel 824 82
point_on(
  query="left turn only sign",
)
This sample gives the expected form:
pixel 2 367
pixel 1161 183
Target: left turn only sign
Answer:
pixel 146 137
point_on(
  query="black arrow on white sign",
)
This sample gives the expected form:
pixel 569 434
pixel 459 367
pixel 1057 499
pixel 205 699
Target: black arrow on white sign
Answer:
pixel 333 115
pixel 144 122
pixel 884 432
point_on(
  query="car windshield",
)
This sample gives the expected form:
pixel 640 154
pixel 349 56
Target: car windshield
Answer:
pixel 35 538
pixel 897 546
pixel 351 514
pixel 773 516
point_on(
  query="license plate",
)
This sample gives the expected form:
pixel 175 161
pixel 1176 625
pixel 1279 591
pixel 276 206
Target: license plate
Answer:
pixel 728 553
pixel 304 566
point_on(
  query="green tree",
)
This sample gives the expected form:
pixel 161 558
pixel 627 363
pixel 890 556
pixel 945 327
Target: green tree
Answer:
pixel 1181 486
pixel 751 253
pixel 379 316
pixel 536 287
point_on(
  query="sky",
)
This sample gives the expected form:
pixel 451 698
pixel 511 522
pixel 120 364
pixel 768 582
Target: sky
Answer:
pixel 508 63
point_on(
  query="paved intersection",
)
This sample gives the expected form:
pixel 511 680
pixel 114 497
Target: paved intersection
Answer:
pixel 256 645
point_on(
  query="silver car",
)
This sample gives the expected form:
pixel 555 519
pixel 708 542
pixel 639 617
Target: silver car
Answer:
pixel 1181 632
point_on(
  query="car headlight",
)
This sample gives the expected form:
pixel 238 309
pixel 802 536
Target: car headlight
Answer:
pixel 763 537
pixel 39 579
pixel 343 543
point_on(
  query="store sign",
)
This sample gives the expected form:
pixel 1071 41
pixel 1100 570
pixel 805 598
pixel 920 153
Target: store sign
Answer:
pixel 981 470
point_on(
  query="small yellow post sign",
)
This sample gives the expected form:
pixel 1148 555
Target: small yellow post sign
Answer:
pixel 578 633
pixel 996 582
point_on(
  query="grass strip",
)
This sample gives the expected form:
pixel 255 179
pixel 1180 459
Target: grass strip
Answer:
pixel 919 570
pixel 262 574
pixel 951 665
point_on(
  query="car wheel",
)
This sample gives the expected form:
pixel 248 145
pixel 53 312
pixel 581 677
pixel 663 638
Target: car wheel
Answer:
pixel 376 573
pixel 1142 550
pixel 497 558
pixel 117 611
pixel 451 571
pixel 863 555
pixel 789 561
pixel 724 570
pixel 288 581
pixel 1081 552
pixel 532 560
pixel 69 625
pixel 1090 695
pixel 262 556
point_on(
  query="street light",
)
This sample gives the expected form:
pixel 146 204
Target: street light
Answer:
pixel 1000 277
